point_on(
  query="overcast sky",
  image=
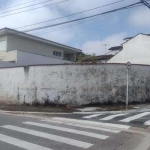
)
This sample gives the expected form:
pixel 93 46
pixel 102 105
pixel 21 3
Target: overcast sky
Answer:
pixel 89 36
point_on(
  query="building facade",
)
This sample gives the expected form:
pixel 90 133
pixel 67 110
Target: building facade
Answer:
pixel 13 42
pixel 135 49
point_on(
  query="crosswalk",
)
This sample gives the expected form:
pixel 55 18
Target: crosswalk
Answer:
pixel 135 117
pixel 21 144
pixel 143 118
pixel 93 123
pixel 94 135
pixel 72 135
pixel 91 116
pixel 112 116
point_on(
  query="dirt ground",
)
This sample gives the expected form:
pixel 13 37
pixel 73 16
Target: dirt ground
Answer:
pixel 59 109
pixel 35 108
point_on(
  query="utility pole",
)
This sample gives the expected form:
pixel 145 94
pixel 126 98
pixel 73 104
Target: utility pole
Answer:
pixel 105 45
pixel 145 3
pixel 128 65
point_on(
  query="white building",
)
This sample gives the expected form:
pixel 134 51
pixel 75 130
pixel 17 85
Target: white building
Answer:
pixel 135 49
pixel 25 49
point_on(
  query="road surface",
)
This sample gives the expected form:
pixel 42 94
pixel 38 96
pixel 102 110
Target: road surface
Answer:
pixel 74 131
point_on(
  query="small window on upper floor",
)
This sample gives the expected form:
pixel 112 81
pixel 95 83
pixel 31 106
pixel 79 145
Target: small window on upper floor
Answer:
pixel 55 53
pixel 2 45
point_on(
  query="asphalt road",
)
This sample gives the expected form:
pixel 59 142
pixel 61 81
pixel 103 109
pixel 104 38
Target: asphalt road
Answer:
pixel 22 132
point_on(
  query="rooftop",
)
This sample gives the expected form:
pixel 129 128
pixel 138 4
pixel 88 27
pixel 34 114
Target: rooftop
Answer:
pixel 129 38
pixel 116 48
pixel 101 57
pixel 8 31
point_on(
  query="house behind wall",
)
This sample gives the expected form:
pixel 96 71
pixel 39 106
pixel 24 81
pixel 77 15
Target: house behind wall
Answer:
pixel 135 49
pixel 12 41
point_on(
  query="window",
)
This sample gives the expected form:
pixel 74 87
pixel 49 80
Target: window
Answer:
pixel 2 45
pixel 55 53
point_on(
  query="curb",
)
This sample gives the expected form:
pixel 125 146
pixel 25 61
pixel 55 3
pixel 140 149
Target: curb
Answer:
pixel 113 112
pixel 62 113
pixel 36 113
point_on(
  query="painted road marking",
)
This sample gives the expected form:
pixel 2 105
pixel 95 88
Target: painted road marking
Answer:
pixel 61 139
pixel 83 126
pixel 91 116
pixel 147 123
pixel 120 126
pixel 21 144
pixel 135 117
pixel 112 117
pixel 94 135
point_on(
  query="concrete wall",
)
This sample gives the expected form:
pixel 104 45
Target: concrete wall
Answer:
pixel 136 50
pixel 24 44
pixel 24 58
pixel 3 38
pixel 70 57
pixel 4 64
pixel 8 56
pixel 74 84
pixel 20 58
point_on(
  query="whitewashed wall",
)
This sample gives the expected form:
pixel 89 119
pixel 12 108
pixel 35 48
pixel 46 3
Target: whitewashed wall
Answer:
pixel 74 84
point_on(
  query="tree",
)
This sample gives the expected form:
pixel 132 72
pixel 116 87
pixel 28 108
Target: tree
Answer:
pixel 87 58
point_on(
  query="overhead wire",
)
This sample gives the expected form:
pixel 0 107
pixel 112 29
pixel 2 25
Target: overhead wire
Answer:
pixel 64 27
pixel 83 18
pixel 78 23
pixel 72 14
pixel 35 8
pixel 26 6
pixel 18 5
pixel 95 16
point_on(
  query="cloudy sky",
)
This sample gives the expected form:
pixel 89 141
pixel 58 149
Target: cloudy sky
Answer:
pixel 89 35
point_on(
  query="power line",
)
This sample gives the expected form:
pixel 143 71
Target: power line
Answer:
pixel 145 3
pixel 83 22
pixel 18 5
pixel 105 45
pixel 65 27
pixel 66 22
pixel 77 23
pixel 126 7
pixel 34 8
pixel 72 14
pixel 26 6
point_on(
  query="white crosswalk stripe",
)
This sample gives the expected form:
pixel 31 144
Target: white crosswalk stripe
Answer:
pixel 91 116
pixel 112 117
pixel 94 135
pixel 21 143
pixel 119 126
pixel 84 126
pixel 57 138
pixel 147 123
pixel 124 119
pixel 135 117
pixel 56 124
